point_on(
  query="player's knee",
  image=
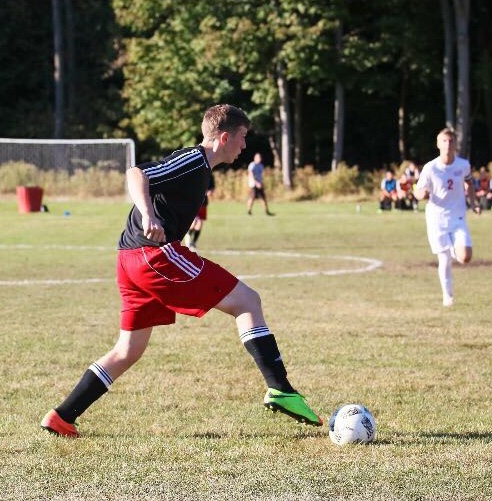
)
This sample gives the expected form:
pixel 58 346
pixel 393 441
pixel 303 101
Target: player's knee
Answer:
pixel 126 358
pixel 127 355
pixel 247 301
pixel 240 300
pixel 246 298
pixel 252 297
pixel 463 256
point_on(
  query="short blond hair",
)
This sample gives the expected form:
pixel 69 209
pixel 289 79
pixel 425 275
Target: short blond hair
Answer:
pixel 448 131
pixel 223 118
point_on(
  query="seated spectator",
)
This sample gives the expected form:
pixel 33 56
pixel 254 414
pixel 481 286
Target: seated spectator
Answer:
pixel 389 192
pixel 406 198
pixel 412 172
pixel 483 190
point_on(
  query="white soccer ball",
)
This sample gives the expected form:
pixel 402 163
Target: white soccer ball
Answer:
pixel 352 423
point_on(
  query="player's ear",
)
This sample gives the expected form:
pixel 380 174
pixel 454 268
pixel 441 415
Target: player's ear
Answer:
pixel 224 137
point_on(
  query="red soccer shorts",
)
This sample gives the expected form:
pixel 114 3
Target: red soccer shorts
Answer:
pixel 202 213
pixel 157 282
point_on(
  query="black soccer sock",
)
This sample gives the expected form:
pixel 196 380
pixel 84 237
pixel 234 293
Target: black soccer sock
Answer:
pixel 261 345
pixel 93 384
pixel 196 234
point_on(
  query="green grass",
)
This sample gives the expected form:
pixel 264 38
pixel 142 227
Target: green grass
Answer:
pixel 187 422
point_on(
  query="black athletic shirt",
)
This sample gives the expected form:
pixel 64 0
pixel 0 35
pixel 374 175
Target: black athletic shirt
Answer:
pixel 178 185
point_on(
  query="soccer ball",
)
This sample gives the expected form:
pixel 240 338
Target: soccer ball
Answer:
pixel 352 423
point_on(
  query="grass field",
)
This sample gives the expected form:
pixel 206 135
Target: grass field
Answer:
pixel 187 422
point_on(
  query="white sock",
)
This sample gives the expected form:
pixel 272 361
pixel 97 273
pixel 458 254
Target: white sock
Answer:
pixel 445 262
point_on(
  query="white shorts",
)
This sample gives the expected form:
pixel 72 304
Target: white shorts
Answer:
pixel 442 238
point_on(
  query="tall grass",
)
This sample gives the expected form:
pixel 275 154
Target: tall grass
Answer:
pixel 101 181
pixel 93 181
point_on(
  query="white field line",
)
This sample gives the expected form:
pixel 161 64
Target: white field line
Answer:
pixel 66 281
pixel 367 264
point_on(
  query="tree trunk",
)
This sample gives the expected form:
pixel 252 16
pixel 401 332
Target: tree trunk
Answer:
pixel 339 107
pixel 462 14
pixel 485 62
pixel 448 62
pixel 285 128
pixel 402 111
pixel 277 164
pixel 488 116
pixel 298 142
pixel 70 59
pixel 58 67
pixel 338 125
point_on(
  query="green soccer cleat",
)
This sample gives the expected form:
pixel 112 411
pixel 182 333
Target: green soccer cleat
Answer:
pixel 292 404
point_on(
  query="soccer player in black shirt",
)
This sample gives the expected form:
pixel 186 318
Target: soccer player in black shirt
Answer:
pixel 158 277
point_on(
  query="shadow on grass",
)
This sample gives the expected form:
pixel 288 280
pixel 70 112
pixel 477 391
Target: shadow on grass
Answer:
pixel 296 436
pixel 463 436
pixel 400 439
pixel 299 435
pixel 435 437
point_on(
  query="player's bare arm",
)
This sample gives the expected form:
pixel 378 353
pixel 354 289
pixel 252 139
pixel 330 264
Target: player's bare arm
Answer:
pixel 138 188
pixel 420 193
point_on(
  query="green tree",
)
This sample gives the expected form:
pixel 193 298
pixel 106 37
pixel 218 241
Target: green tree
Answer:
pixel 280 48
pixel 58 74
pixel 481 77
pixel 26 71
pixel 390 70
pixel 168 81
pixel 375 99
pixel 462 17
pixel 254 49
pixel 92 82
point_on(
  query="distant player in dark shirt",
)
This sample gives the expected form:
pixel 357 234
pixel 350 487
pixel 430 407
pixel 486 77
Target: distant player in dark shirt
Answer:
pixel 158 277
pixel 191 238
pixel 256 186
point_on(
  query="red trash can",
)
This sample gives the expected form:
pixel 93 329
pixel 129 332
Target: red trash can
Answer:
pixel 29 198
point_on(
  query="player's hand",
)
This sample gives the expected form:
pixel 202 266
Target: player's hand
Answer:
pixel 153 230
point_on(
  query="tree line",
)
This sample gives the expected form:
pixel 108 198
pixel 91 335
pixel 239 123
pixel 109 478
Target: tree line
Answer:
pixel 367 83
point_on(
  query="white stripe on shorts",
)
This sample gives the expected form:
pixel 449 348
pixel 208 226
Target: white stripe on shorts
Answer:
pixel 178 260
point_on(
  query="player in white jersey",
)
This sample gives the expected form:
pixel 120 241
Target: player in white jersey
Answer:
pixel 446 181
